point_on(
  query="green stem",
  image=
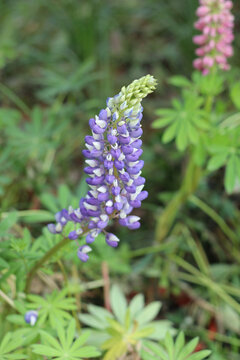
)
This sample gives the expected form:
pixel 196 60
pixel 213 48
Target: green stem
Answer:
pixel 7 299
pixel 43 260
pixel 23 213
pixel 48 255
pixel 189 185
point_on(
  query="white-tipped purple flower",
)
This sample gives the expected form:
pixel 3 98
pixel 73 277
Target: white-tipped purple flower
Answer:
pixel 112 240
pixel 113 167
pixel 83 253
pixel 31 317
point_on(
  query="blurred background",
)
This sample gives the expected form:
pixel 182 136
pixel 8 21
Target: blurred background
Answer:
pixel 59 61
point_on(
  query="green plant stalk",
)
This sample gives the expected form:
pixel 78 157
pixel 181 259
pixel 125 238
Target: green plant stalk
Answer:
pixel 23 213
pixel 189 185
pixel 7 299
pixel 43 260
pixel 47 256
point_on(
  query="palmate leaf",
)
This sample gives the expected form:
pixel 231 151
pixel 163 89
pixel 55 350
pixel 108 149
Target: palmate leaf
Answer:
pixel 127 326
pixel 9 346
pixel 225 151
pixel 66 346
pixel 54 309
pixel 185 122
pixel 36 137
pixel 170 350
pixel 62 83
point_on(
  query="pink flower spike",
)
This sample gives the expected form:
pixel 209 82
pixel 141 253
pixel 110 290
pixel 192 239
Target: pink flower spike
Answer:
pixel 216 23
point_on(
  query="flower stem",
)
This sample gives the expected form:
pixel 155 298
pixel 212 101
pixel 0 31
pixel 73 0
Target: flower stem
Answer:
pixel 189 185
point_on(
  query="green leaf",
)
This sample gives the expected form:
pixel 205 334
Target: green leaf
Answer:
pixel 170 133
pixel 155 350
pixel 235 95
pixel 143 333
pixel 182 138
pixel 92 321
pixel 65 346
pixel 118 303
pixel 87 352
pixel 231 174
pixel 46 350
pixel 180 81
pixel 54 309
pixel 180 341
pixel 80 341
pixel 10 345
pixel 129 325
pixel 99 312
pixel 200 355
pixel 136 304
pixel 8 222
pixel 64 196
pixel 180 351
pixel 159 123
pixel 217 161
pixel 169 344
pixel 188 349
pixel 148 313
pixel 49 201
pixel 161 327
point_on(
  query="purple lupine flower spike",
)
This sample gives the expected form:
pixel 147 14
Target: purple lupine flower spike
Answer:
pixel 113 167
pixel 216 24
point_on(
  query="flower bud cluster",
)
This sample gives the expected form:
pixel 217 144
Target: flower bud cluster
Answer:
pixel 113 167
pixel 216 24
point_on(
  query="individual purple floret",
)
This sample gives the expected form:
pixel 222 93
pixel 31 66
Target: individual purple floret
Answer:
pixel 31 317
pixel 113 167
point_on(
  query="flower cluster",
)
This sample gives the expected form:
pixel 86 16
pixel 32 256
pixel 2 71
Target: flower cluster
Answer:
pixel 113 167
pixel 216 24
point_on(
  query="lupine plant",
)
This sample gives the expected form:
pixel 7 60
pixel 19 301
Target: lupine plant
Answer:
pixel 114 170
